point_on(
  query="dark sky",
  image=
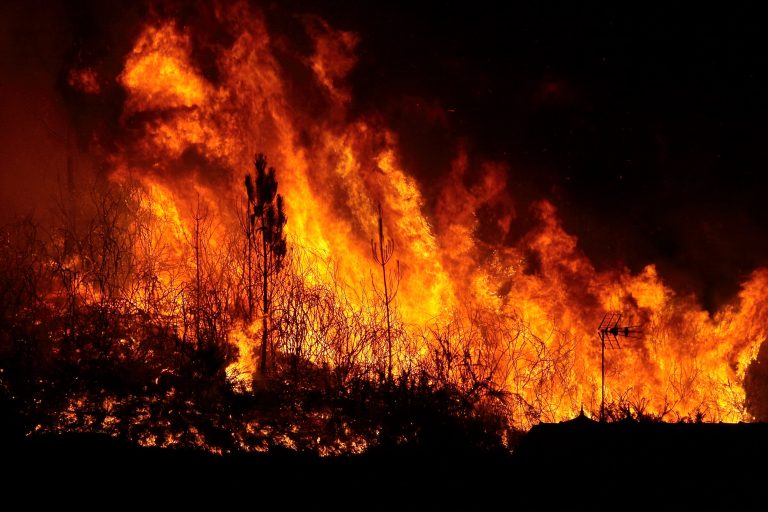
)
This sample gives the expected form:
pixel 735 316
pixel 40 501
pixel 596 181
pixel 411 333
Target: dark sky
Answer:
pixel 646 126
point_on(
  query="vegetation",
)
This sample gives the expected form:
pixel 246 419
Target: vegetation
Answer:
pixel 100 333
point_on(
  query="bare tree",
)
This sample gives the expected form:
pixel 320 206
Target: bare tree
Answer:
pixel 382 254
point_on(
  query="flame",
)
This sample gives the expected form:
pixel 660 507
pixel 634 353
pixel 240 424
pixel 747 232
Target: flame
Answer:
pixel 242 371
pixel 158 74
pixel 526 313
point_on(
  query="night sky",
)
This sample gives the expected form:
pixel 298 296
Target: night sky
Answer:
pixel 645 126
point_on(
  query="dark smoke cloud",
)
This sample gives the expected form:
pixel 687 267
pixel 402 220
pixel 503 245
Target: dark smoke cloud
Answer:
pixel 32 117
pixel 44 123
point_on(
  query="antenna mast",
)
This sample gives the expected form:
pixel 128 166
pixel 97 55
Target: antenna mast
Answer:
pixel 609 331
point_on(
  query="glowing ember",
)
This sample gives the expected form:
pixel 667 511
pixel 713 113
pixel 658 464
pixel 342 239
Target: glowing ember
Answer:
pixel 85 80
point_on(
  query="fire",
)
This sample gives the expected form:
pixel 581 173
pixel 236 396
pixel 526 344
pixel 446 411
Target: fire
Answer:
pixel 334 58
pixel 242 370
pixel 525 314
pixel 158 74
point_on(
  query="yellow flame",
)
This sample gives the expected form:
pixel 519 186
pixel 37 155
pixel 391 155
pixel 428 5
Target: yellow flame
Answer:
pixel 536 304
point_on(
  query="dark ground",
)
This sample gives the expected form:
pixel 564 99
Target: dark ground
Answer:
pixel 579 465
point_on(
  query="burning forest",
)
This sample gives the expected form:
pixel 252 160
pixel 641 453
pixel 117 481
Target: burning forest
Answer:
pixel 237 256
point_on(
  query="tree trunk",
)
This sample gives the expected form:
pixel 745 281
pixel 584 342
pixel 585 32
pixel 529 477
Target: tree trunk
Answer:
pixel 197 276
pixel 249 279
pixel 265 306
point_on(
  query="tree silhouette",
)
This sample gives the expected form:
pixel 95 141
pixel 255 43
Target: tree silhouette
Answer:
pixel 266 217
pixel 382 254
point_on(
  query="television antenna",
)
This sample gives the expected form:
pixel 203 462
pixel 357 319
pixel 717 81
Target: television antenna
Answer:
pixel 609 331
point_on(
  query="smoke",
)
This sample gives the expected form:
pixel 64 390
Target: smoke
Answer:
pixel 32 117
pixel 52 130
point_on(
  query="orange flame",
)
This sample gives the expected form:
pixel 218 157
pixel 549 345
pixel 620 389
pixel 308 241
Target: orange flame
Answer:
pixel 529 312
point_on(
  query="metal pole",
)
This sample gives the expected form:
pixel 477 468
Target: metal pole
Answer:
pixel 602 394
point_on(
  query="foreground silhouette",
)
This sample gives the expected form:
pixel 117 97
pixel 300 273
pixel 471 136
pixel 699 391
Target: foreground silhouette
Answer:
pixel 580 464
